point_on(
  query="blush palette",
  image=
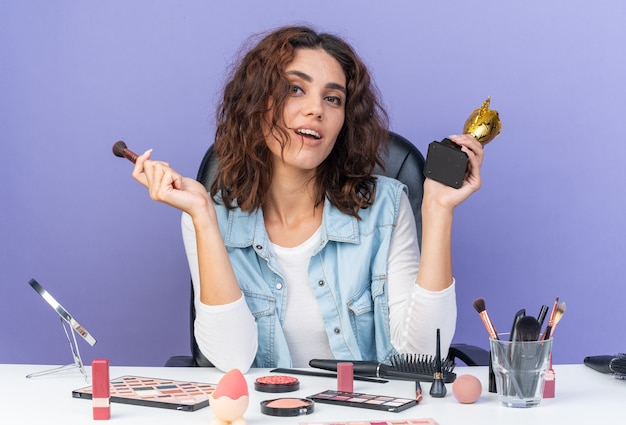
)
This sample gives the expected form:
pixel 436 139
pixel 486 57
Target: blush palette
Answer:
pixel 366 401
pixel 164 393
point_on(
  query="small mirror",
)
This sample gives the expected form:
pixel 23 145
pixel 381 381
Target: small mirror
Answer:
pixel 74 328
pixel 65 315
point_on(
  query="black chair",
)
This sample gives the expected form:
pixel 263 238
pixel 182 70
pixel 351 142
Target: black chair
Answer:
pixel 404 162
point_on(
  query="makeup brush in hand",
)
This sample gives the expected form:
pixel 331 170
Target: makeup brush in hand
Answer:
pixel 120 149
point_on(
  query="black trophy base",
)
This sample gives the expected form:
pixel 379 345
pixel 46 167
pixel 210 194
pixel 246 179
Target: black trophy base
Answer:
pixel 446 163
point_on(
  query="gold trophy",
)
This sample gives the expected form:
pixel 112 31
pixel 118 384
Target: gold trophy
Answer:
pixel 445 162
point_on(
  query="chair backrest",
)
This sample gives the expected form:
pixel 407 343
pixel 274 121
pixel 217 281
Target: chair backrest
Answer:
pixel 403 161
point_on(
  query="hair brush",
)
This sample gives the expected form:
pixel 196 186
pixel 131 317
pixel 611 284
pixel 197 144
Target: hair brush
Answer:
pixel 615 365
pixel 412 367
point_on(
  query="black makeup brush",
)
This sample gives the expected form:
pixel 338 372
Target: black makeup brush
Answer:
pixel 521 313
pixel 491 376
pixel 438 388
pixel 542 314
pixel 527 329
pixel 120 149
pixel 524 329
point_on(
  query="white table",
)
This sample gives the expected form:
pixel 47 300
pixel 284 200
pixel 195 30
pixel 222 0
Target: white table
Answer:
pixel 583 396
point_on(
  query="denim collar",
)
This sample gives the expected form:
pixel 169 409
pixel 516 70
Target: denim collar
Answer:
pixel 246 229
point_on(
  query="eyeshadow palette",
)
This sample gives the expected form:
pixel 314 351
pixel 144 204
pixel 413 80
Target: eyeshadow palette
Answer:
pixel 424 421
pixel 366 401
pixel 164 393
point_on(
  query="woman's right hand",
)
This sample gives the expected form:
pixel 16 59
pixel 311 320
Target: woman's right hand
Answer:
pixel 168 186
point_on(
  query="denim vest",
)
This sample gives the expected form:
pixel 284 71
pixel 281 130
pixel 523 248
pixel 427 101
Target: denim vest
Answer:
pixel 348 274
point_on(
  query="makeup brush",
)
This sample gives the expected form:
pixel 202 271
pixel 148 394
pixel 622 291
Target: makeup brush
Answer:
pixel 479 305
pixel 550 382
pixel 560 311
pixel 418 392
pixel 120 149
pixel 551 319
pixel 555 318
pixel 521 313
pixel 411 367
pixel 524 356
pixel 491 376
pixel 527 329
pixel 542 314
pixel 438 388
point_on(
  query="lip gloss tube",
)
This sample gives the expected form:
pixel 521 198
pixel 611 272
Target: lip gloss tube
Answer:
pixel 101 389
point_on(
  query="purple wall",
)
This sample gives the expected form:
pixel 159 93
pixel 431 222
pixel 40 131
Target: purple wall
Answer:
pixel 77 76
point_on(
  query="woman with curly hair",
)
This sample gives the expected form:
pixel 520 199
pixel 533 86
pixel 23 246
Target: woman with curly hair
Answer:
pixel 299 251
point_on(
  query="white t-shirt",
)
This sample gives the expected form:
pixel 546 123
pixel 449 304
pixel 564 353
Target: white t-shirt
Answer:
pixel 303 325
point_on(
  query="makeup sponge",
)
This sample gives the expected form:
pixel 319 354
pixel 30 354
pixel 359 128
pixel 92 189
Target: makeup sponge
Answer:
pixel 229 401
pixel 466 389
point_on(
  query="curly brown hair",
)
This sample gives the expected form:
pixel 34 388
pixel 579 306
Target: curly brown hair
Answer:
pixel 346 176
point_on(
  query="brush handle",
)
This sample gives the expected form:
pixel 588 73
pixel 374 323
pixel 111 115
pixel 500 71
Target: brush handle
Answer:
pixel 542 314
pixel 325 375
pixel 548 333
pixel 130 155
pixel 513 335
pixel 379 370
pixel 361 367
pixel 492 376
pixel 601 364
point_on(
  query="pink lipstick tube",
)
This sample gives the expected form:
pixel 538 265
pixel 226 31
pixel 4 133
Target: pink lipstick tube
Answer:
pixel 101 389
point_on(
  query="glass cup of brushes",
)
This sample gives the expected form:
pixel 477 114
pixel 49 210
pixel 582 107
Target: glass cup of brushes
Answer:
pixel 520 367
